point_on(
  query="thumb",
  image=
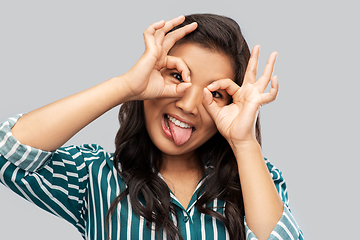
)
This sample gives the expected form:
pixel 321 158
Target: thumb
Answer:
pixel 210 105
pixel 175 90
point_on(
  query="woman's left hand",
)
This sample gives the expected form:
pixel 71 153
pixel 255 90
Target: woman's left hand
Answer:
pixel 236 121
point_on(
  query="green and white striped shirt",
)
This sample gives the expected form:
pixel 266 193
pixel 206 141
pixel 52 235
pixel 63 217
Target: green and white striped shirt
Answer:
pixel 78 184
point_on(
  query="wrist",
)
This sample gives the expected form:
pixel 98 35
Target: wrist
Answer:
pixel 121 89
pixel 248 147
pixel 244 144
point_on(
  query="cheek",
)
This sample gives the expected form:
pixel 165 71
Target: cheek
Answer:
pixel 208 123
pixel 153 111
pixel 151 107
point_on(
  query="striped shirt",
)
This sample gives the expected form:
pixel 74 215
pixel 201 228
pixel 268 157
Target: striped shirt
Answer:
pixel 78 184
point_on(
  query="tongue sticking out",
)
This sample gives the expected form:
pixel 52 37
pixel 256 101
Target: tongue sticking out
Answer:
pixel 179 134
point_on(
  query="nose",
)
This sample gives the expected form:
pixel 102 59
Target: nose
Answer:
pixel 191 100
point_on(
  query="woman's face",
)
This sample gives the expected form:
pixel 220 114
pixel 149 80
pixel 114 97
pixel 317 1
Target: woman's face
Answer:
pixel 178 126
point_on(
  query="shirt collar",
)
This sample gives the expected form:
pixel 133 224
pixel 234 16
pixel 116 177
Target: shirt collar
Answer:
pixel 194 197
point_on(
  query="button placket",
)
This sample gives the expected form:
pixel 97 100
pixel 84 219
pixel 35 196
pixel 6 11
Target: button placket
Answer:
pixel 187 216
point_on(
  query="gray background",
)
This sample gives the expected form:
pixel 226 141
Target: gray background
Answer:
pixel 49 50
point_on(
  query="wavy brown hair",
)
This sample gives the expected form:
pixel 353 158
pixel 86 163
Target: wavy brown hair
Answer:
pixel 140 159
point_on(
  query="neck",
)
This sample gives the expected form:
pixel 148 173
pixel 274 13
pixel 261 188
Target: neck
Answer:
pixel 180 163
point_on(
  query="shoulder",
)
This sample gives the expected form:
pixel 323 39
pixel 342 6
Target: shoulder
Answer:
pixel 90 154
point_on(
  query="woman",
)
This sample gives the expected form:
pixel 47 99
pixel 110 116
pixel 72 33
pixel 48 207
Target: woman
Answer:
pixel 188 160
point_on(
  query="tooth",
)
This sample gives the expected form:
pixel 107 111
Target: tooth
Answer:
pixel 178 123
pixel 167 123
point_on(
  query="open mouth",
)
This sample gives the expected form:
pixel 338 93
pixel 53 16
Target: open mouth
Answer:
pixel 179 131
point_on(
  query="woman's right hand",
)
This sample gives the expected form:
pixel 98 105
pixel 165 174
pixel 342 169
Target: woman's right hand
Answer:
pixel 144 79
pixel 49 127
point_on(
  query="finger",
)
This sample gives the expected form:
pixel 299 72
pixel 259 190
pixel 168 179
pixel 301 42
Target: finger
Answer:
pixel 268 71
pixel 160 34
pixel 210 105
pixel 155 26
pixel 182 87
pixel 172 23
pixel 271 95
pixel 229 85
pixel 173 37
pixel 150 31
pixel 175 90
pixel 180 65
pixel 251 70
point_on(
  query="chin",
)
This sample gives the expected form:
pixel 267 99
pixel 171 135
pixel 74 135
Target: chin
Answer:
pixel 170 148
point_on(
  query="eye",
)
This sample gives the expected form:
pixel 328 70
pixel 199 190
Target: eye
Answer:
pixel 177 76
pixel 216 94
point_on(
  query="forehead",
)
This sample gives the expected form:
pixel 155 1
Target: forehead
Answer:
pixel 207 64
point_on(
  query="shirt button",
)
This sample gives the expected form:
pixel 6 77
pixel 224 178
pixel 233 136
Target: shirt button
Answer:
pixel 186 218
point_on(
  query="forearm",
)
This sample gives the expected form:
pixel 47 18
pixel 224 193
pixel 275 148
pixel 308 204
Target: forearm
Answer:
pixel 263 206
pixel 49 127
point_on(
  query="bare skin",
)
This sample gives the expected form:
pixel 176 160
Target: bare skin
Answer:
pixel 49 127
pixel 236 122
pixel 57 122
pixel 181 178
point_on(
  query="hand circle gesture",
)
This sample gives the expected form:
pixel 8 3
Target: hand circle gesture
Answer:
pixel 236 121
pixel 144 78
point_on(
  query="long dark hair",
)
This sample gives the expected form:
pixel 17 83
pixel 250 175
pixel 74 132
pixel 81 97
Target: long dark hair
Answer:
pixel 140 159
